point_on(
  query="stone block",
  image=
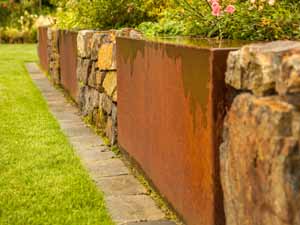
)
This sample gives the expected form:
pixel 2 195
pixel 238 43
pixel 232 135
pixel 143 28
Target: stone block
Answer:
pixel 84 43
pixel 256 67
pixel 101 119
pixel 260 162
pixel 90 101
pixel 97 40
pixel 110 83
pixel 84 67
pixel 115 96
pixel 129 32
pixel 111 131
pixel 100 76
pixel 92 76
pixel 53 55
pixel 106 103
pixel 288 83
pixel 107 57
pixel 114 115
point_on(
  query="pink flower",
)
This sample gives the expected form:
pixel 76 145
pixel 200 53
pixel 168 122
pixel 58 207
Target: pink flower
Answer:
pixel 230 9
pixel 216 9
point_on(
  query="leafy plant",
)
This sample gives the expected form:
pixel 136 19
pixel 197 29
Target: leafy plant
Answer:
pixel 231 19
pixel 106 14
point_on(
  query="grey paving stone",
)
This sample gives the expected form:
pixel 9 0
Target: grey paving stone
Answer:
pixel 71 124
pixel 37 76
pixel 50 96
pixel 157 222
pixel 44 85
pixel 66 116
pixel 90 141
pixel 56 102
pixel 133 208
pixel 125 197
pixel 64 108
pixel 106 168
pixel 120 185
pixel 33 68
pixel 95 155
pixel 78 131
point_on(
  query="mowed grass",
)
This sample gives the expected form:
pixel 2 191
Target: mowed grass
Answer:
pixel 41 179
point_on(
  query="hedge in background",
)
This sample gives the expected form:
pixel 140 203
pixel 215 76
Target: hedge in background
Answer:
pixel 104 14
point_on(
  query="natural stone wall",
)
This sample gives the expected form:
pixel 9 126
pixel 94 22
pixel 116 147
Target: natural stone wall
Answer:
pixel 53 55
pixel 97 77
pixel 260 157
pixel 96 74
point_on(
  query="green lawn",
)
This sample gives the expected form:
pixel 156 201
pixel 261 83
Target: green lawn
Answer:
pixel 41 180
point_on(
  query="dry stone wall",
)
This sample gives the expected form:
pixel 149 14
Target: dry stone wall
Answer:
pixel 97 77
pixel 96 74
pixel 53 55
pixel 260 155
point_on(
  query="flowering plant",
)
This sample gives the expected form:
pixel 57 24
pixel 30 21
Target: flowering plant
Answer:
pixel 208 10
pixel 234 19
pixel 216 8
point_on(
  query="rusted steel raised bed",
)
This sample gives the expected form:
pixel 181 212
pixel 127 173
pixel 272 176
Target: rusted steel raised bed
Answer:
pixel 43 47
pixel 68 61
pixel 171 105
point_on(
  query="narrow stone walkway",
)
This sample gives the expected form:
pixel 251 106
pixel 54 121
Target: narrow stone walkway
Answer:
pixel 126 198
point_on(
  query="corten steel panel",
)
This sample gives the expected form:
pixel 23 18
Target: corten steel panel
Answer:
pixel 43 47
pixel 68 61
pixel 171 105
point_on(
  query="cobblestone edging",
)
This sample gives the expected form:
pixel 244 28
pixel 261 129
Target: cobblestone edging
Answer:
pixel 126 199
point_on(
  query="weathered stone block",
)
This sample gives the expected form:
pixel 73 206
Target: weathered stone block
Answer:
pixel 111 131
pixel 92 76
pixel 110 83
pixel 53 55
pixel 129 32
pixel 100 76
pixel 84 67
pixel 97 40
pixel 101 119
pixel 115 96
pixel 289 80
pixel 84 43
pixel 114 118
pixel 81 97
pixel 89 101
pixel 106 103
pixel 260 162
pixel 256 67
pixel 107 57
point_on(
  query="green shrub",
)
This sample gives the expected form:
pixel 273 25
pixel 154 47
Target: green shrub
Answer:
pixel 167 25
pixel 4 13
pixel 23 31
pixel 104 14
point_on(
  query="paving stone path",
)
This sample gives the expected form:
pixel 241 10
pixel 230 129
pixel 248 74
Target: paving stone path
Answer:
pixel 126 198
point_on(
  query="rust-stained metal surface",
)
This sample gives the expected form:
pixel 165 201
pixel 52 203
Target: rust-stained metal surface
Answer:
pixel 171 105
pixel 43 47
pixel 68 61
